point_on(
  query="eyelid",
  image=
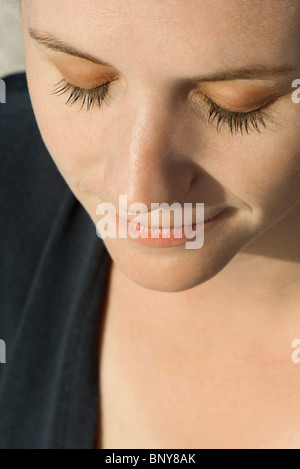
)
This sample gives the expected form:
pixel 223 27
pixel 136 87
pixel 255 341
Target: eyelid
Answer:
pixel 84 82
pixel 261 107
pixel 242 98
pixel 243 109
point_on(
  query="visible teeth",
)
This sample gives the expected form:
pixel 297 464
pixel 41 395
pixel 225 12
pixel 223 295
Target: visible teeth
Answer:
pixel 176 232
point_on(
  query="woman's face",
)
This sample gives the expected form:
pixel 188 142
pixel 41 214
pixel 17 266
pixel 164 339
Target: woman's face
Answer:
pixel 171 63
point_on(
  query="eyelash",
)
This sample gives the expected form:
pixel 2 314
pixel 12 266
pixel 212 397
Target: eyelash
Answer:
pixel 235 121
pixel 90 97
pixel 238 121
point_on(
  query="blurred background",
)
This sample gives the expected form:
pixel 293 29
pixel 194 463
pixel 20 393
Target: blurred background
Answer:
pixel 11 41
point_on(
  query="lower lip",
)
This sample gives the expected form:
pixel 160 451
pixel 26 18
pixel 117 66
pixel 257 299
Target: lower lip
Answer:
pixel 169 240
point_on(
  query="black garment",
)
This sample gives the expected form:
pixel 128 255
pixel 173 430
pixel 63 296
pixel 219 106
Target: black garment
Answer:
pixel 53 276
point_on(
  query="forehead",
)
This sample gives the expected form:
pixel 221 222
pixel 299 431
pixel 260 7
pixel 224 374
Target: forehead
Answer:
pixel 168 34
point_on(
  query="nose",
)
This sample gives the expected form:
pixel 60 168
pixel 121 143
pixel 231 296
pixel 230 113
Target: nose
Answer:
pixel 145 158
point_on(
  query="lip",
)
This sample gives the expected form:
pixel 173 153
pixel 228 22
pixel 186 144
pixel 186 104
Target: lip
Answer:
pixel 166 237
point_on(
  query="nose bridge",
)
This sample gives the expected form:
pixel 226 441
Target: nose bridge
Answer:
pixel 144 162
pixel 149 137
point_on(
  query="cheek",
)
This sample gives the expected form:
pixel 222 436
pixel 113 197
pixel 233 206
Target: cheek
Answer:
pixel 72 137
pixel 263 171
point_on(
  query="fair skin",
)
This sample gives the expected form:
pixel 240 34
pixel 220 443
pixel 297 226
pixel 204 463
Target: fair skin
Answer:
pixel 196 346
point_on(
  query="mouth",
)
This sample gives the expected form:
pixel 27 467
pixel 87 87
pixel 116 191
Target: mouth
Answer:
pixel 163 236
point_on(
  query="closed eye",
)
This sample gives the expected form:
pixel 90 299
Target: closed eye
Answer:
pixel 238 122
pixel 87 97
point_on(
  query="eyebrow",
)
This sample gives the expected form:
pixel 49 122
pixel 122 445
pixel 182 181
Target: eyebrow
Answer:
pixel 255 72
pixel 53 43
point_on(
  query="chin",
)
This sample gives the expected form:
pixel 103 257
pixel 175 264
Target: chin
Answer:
pixel 172 269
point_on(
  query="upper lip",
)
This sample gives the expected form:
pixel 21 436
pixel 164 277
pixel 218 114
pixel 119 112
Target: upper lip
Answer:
pixel 130 218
